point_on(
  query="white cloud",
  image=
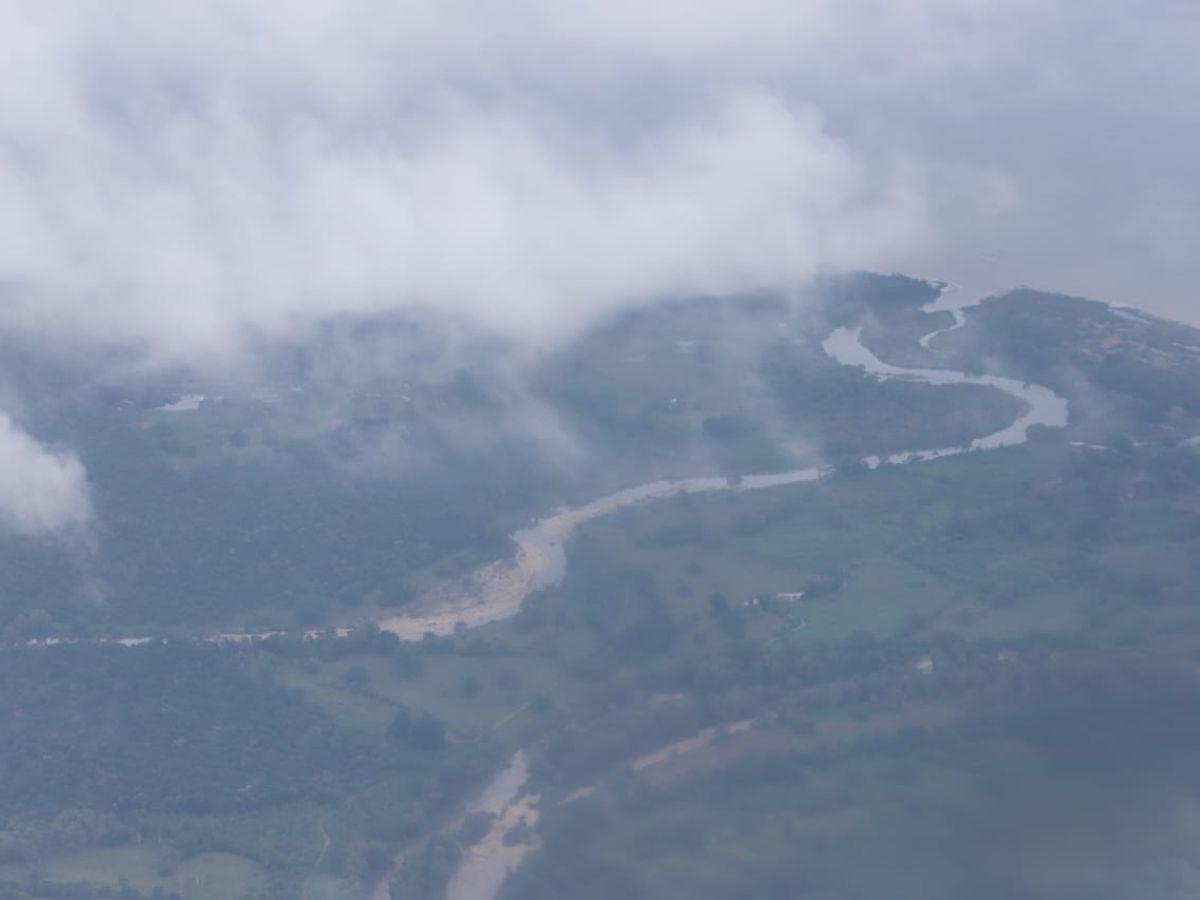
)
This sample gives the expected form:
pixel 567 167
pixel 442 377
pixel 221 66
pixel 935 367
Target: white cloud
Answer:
pixel 484 213
pixel 177 176
pixel 176 173
pixel 42 491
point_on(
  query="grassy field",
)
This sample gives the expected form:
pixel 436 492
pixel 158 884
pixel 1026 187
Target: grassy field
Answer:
pixel 484 694
pixel 781 541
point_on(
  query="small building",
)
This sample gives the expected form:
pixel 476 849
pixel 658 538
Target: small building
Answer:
pixel 789 596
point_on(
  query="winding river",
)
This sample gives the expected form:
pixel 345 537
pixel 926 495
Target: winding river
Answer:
pixel 500 588
pixel 497 591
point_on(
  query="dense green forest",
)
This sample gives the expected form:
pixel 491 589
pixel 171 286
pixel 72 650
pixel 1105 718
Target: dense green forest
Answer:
pixel 351 472
pixel 195 747
pixel 970 677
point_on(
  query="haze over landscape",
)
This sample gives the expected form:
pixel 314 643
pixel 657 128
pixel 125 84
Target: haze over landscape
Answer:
pixel 473 450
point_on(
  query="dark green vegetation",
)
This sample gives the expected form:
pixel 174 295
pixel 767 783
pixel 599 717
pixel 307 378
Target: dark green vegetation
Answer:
pixel 988 689
pixel 1063 799
pixel 195 750
pixel 1128 375
pixel 1136 376
pixel 347 474
pixel 969 678
pixel 742 385
pixel 991 692
pixel 191 506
